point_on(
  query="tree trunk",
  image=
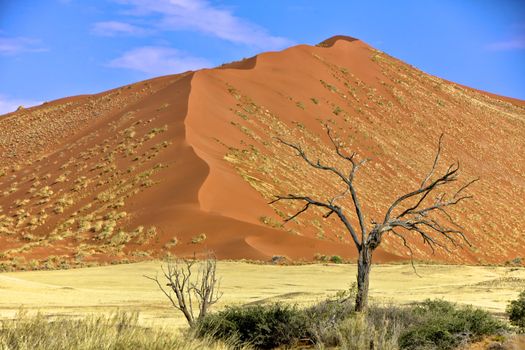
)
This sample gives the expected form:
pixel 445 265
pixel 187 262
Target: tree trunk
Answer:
pixel 363 273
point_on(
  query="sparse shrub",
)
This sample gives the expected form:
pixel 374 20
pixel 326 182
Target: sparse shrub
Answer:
pixel 336 259
pixel 262 326
pixel 144 237
pixel 321 257
pixel 517 261
pixel 279 260
pixel 198 238
pixel 60 179
pixel 314 100
pixel 130 132
pixel 21 202
pixel 442 325
pixel 120 238
pixel 45 192
pixel 34 264
pixel 267 220
pixel 172 243
pixel 151 134
pixel 58 210
pixel 29 237
pixel 516 311
pixel 97 226
pixel 106 230
pixel 337 110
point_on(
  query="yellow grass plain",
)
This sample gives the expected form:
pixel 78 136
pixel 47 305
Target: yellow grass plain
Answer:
pixel 105 289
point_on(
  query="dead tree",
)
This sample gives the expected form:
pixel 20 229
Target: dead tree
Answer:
pixel 186 291
pixel 411 212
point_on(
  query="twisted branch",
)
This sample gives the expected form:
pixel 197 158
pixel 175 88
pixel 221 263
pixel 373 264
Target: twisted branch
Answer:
pixel 417 217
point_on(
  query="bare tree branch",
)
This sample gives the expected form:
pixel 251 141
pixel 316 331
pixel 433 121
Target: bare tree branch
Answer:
pixel 316 165
pixel 436 160
pixel 449 176
pixel 355 167
pixel 332 209
pixel 184 290
pixel 417 212
pixel 405 243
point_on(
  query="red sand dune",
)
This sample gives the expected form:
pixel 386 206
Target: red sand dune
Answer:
pixel 188 163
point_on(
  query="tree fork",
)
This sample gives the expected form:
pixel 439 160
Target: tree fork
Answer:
pixel 430 220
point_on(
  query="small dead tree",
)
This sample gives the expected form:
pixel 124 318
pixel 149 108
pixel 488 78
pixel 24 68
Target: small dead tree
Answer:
pixel 186 290
pixel 411 212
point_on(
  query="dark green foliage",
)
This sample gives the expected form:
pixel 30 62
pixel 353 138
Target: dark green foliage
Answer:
pixel 337 110
pixel 269 326
pixel 262 326
pixel 438 324
pixel 516 311
pixel 430 325
pixel 336 259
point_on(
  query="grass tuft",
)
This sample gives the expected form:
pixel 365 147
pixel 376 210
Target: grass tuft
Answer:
pixel 117 331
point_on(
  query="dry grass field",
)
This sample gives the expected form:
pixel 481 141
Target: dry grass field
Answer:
pixel 123 287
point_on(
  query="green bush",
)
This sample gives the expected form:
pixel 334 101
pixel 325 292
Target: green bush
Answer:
pixel 261 326
pixel 430 325
pixel 336 259
pixel 516 311
pixel 442 325
pixel 277 325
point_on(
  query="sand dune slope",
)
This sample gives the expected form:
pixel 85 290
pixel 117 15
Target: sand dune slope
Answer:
pixel 188 163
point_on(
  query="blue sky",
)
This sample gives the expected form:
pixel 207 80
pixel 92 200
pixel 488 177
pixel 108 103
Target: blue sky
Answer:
pixel 57 48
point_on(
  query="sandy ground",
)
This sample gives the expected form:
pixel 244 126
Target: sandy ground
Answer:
pixel 109 288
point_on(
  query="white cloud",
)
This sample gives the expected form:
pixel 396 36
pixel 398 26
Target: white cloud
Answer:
pixel 113 28
pixel 158 60
pixel 201 16
pixel 507 45
pixel 13 46
pixel 8 105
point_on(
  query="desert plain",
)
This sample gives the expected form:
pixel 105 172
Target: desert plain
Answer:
pixel 106 289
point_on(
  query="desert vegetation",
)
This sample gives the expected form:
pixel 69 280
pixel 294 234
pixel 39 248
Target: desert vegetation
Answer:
pixel 263 300
pixel 432 324
pixel 118 331
pixel 331 323
pixel 516 311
